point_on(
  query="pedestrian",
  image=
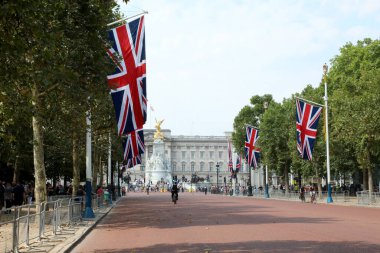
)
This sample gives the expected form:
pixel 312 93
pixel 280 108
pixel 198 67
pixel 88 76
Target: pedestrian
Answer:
pixel 2 200
pixel 18 194
pixel 8 197
pixel 99 194
pixel 106 197
pixel 302 194
pixel 312 195
pixel 206 190
pixel 80 195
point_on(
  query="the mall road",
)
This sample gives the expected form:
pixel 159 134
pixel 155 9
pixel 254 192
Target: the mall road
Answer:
pixel 213 223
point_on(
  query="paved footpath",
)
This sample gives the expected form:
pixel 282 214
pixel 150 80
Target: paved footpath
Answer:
pixel 213 223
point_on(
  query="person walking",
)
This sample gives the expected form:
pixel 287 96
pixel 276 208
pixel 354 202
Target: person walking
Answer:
pixel 8 197
pixel 312 195
pixel 205 190
pixel 302 194
pixel 18 194
pixel 99 194
pixel 2 191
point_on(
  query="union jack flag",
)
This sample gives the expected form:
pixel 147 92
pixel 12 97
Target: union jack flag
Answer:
pixel 133 145
pixel 230 163
pixel 238 164
pixel 130 163
pixel 128 82
pixel 252 153
pixel 307 122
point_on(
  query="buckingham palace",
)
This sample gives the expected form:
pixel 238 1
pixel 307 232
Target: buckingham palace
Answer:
pixel 203 156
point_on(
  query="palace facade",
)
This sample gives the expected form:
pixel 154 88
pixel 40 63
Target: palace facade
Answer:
pixel 192 155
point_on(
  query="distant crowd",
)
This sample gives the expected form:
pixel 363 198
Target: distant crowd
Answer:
pixel 15 194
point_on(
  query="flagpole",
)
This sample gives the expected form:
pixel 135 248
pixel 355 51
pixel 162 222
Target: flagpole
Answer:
pixel 126 18
pixel 266 195
pixel 329 198
pixel 310 102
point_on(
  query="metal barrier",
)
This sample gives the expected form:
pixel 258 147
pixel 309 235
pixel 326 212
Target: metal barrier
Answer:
pixel 339 197
pixel 21 224
pixel 368 198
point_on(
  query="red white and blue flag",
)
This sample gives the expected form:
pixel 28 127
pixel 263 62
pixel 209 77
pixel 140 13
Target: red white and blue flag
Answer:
pixel 130 163
pixel 230 163
pixel 252 153
pixel 238 164
pixel 128 82
pixel 307 116
pixel 133 146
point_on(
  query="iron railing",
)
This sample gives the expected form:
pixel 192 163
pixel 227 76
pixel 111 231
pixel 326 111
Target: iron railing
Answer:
pixel 20 225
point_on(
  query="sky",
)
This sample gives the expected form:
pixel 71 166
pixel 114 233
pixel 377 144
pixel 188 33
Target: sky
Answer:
pixel 207 58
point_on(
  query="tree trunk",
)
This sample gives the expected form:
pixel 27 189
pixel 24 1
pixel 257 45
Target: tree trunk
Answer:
pixel 320 187
pixel 370 180
pixel 38 151
pixel 319 183
pixel 286 178
pixel 365 180
pixel 299 180
pixel 95 169
pixel 76 171
pixel 101 176
pixel 16 172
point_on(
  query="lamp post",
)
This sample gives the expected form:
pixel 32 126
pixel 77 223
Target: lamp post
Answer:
pixel 88 213
pixel 217 177
pixel 329 198
pixel 266 166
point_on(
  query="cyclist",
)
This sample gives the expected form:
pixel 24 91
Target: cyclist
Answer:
pixel 312 195
pixel 175 189
pixel 302 194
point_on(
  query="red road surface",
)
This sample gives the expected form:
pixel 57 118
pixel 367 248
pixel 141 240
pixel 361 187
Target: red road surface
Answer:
pixel 213 223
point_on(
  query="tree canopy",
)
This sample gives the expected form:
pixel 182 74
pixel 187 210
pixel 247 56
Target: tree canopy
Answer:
pixel 354 120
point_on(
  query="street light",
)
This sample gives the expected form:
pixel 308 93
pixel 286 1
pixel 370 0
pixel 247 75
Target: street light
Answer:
pixel 217 177
pixel 266 166
pixel 329 198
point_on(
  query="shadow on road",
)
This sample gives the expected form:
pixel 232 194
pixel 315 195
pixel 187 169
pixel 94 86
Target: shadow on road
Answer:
pixel 257 247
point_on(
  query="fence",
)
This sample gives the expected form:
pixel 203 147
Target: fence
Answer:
pixel 22 224
pixel 362 197
pixel 368 198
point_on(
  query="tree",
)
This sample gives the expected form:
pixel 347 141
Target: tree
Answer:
pixel 248 115
pixel 53 52
pixel 354 79
pixel 274 136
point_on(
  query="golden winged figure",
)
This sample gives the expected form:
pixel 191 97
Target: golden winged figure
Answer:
pixel 158 134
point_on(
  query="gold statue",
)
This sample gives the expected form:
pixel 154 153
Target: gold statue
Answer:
pixel 158 135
